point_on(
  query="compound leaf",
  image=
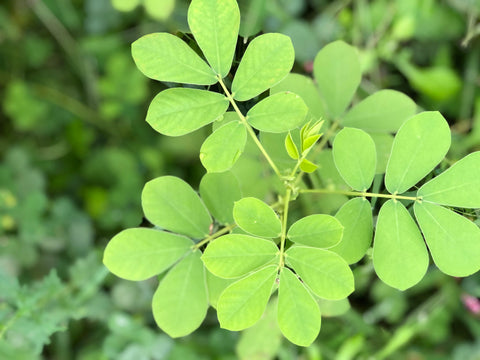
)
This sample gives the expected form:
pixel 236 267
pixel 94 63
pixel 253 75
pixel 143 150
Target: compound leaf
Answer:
pixel 356 218
pixel 215 24
pixel 140 253
pixel 180 303
pixel 267 60
pixel 453 240
pixel 420 144
pixel 337 71
pixel 383 111
pixel 278 113
pixel 170 203
pixel 256 218
pixel 179 111
pixel 235 255
pixel 319 230
pixel 400 257
pixel 325 272
pixel 242 304
pixel 223 147
pixel 457 186
pixel 298 313
pixel 355 157
pixel 165 57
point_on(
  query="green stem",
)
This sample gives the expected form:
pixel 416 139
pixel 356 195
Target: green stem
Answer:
pixel 209 238
pixel 284 228
pixel 360 193
pixel 249 128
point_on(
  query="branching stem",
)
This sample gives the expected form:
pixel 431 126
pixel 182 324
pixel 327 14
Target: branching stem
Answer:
pixel 209 238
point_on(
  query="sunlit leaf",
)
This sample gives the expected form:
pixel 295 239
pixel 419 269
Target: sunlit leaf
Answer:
pixel 319 230
pixel 291 147
pixel 307 166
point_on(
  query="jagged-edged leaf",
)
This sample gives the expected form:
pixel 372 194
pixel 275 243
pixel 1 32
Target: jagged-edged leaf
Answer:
pixel 278 113
pixel 179 111
pixel 215 287
pixel 256 218
pixel 420 144
pixel 298 313
pixel 319 230
pixel 325 272
pixel 337 71
pixel 165 57
pixel 215 24
pixel 235 255
pixel 453 240
pixel 355 157
pixel 219 191
pixel 223 147
pixel 307 166
pixel 400 257
pixel 457 186
pixel 140 253
pixel 267 60
pixel 170 203
pixel 383 146
pixel 383 111
pixel 180 302
pixel 242 304
pixel 356 218
pixel 291 147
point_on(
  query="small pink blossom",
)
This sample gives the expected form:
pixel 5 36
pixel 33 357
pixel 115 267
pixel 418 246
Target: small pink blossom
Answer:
pixel 471 303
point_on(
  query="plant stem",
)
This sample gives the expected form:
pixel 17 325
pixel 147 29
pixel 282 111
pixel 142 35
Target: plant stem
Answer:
pixel 284 227
pixel 360 193
pixel 209 238
pixel 249 128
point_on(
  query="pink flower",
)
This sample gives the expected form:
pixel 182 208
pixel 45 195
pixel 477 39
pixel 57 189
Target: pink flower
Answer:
pixel 471 303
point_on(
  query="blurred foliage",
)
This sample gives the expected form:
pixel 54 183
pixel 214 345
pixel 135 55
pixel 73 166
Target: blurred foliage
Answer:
pixel 75 152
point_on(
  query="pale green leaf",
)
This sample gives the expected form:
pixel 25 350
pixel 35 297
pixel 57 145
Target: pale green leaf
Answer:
pixel 356 218
pixel 242 304
pixel 325 272
pixel 420 144
pixel 458 186
pixel 298 313
pixel 355 157
pixel 159 9
pixel 453 240
pixel 215 287
pixel 383 111
pixel 291 147
pixel 170 203
pixel 215 24
pixel 383 145
pixel 235 255
pixel 140 253
pixel 179 111
pixel 337 71
pixel 319 230
pixel 267 60
pixel 180 303
pixel 309 141
pixel 331 308
pixel 223 147
pixel 219 191
pixel 256 217
pixel 165 57
pixel 307 166
pixel 400 257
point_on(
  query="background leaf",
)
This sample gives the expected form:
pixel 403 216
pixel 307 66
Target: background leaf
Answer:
pixel 319 230
pixel 170 203
pixel 256 217
pixel 215 287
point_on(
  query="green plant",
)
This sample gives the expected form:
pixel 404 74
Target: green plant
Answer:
pixel 260 225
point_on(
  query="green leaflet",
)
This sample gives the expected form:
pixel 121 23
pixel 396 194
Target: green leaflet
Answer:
pixel 453 240
pixel 278 113
pixel 319 230
pixel 140 253
pixel 383 145
pixel 330 308
pixel 235 255
pixel 215 287
pixel 291 147
pixel 180 303
pixel 457 186
pixel 383 111
pixel 325 272
pixel 267 60
pixel 337 71
pixel 165 57
pixel 170 203
pixel 219 191
pixel 420 144
pixel 298 313
pixel 307 166
pixel 355 157
pixel 400 256
pixel 215 24
pixel 242 304
pixel 356 218
pixel 256 218
pixel 223 147
pixel 179 111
